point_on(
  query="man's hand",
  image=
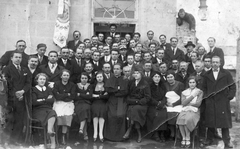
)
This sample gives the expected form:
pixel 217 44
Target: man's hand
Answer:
pixel 51 84
pixel 19 94
pixel 50 97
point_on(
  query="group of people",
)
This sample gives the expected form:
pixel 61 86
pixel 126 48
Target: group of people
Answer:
pixel 119 84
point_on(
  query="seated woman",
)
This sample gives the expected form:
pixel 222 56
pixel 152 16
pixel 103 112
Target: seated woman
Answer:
pixel 190 115
pixel 173 94
pixel 83 104
pixel 99 111
pixel 64 92
pixel 157 112
pixel 42 101
pixel 138 97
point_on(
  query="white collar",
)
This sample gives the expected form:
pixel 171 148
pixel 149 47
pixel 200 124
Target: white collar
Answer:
pixel 41 88
pixel 17 65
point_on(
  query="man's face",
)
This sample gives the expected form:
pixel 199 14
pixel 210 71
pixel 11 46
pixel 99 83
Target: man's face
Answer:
pixel 114 55
pixel 87 53
pixel 76 35
pixel 207 62
pixel 194 57
pixel 87 42
pixel 21 46
pixel 100 48
pixel 94 40
pixel 160 54
pixel 130 59
pixel 147 67
pixel 123 51
pixel 112 29
pixel 175 64
pixel 117 38
pixel 100 37
pixel 106 68
pixel 189 49
pixel 147 57
pixel 79 53
pixel 128 37
pixel 181 14
pixel 65 76
pixel 201 50
pixel 127 72
pixel 41 51
pixel 106 50
pixel 93 49
pixel 163 68
pixel 132 43
pixel 109 40
pixel 216 63
pixel 183 67
pixel 136 37
pixel 137 57
pixel 152 48
pixel 198 67
pixel 211 42
pixel 81 46
pixel 150 35
pixel 117 70
pixel 33 62
pixel 65 53
pixel 52 58
pixel 162 39
pixel 123 42
pixel 17 58
pixel 88 68
pixel 115 46
pixel 174 42
pixel 96 56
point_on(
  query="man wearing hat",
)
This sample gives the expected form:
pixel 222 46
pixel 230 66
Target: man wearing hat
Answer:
pixel 41 50
pixel 189 46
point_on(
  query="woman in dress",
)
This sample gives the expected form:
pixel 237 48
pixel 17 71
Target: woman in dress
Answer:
pixel 83 104
pixel 157 112
pixel 99 112
pixel 173 94
pixel 64 92
pixel 42 101
pixel 138 98
pixel 190 115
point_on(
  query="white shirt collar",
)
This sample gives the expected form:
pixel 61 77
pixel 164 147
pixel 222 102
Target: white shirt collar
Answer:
pixel 41 88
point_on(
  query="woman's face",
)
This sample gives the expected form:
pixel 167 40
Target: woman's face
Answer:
pixel 192 83
pixel 41 80
pixel 99 78
pixel 137 75
pixel 65 76
pixel 156 78
pixel 170 78
pixel 84 79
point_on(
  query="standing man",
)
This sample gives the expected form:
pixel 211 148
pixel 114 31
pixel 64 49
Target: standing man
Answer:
pixel 19 83
pixel 163 43
pixel 33 69
pixel 150 35
pixel 64 61
pixel 219 89
pixel 20 47
pixel 113 29
pixel 41 50
pixel 182 75
pixel 215 51
pixel 73 44
pixel 77 65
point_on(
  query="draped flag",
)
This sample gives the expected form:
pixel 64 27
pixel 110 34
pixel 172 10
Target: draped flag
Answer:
pixel 62 24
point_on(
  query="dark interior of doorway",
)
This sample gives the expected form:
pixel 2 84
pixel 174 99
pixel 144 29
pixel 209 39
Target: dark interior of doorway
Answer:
pixel 121 28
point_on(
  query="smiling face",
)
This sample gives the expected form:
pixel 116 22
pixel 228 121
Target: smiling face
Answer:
pixel 16 58
pixel 170 78
pixel 41 80
pixel 33 62
pixel 65 76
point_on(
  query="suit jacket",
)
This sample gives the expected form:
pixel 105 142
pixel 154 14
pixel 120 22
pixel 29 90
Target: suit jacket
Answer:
pixel 147 42
pixel 179 77
pixel 105 77
pixel 76 70
pixel 6 59
pixel 17 80
pixel 217 52
pixel 166 46
pixel 109 34
pixel 148 78
pixel 102 60
pixel 199 78
pixel 118 61
pixel 33 75
pixel 187 58
pixel 190 69
pixel 44 60
pixel 56 76
pixel 71 45
pixel 97 67
pixel 123 59
pixel 179 55
pixel 68 65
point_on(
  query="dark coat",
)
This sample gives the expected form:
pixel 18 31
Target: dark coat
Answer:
pixel 44 60
pixel 68 65
pixel 190 69
pixel 71 45
pixel 63 92
pixel 33 75
pixel 217 52
pixel 179 55
pixel 179 77
pixel 56 76
pixel 217 95
pixel 6 59
pixel 76 70
pixel 165 46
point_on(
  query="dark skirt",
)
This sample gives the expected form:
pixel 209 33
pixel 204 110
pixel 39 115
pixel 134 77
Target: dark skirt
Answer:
pixel 83 111
pixel 98 109
pixel 115 125
pixel 137 113
pixel 174 119
pixel 43 114
pixel 156 119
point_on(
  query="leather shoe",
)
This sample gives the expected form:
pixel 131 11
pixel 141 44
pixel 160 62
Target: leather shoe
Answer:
pixel 229 145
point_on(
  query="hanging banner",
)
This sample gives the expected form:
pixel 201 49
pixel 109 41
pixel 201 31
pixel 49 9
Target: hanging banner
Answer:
pixel 62 25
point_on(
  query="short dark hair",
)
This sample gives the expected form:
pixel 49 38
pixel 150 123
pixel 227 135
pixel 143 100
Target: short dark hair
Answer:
pixel 173 38
pixel 137 33
pixel 20 41
pixel 152 43
pixel 52 52
pixel 16 53
pixel 150 31
pixel 32 56
pixel 163 36
pixel 115 51
pixel 86 39
pixel 76 31
pixel 113 25
pixel 212 38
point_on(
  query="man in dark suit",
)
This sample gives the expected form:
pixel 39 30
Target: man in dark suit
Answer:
pixel 113 29
pixel 163 43
pixel 52 69
pixel 106 71
pixel 19 84
pixel 163 71
pixel 73 44
pixel 191 65
pixel 107 56
pixel 97 66
pixel 189 46
pixel 174 52
pixel 158 59
pixel 182 75
pixel 33 68
pixel 20 47
pixel 101 39
pixel 123 52
pixel 114 58
pixel 108 41
pixel 64 61
pixel 174 66
pixel 132 47
pixel 219 88
pixel 147 71
pixel 77 65
pixel 41 50
pixel 215 51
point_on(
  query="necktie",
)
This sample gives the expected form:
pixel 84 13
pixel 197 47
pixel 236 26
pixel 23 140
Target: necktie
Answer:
pixel 173 51
pixel 53 66
pixel 19 69
pixel 79 62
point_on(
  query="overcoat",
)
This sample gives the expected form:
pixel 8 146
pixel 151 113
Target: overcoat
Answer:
pixel 217 96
